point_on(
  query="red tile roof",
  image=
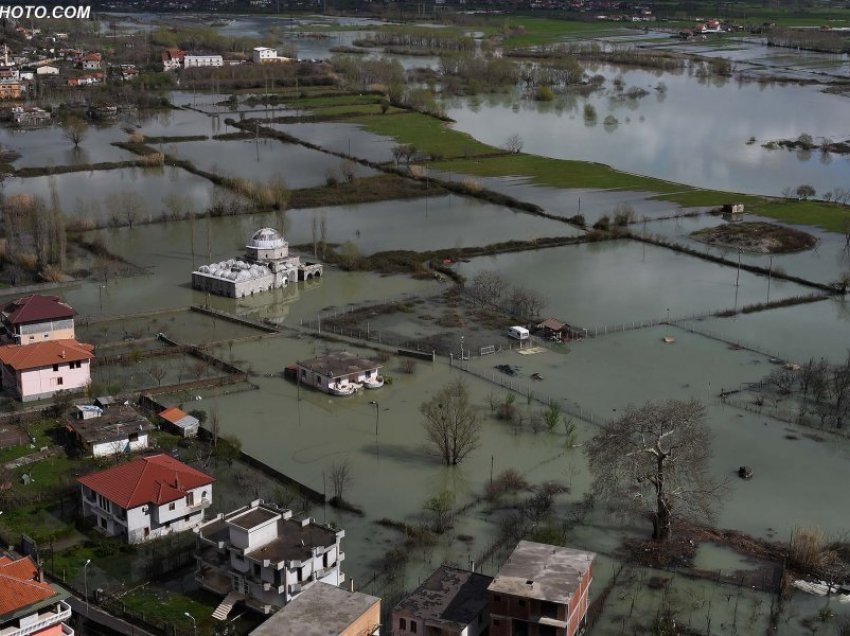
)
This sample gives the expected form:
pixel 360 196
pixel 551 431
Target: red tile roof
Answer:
pixel 173 415
pixel 19 585
pixel 36 308
pixel 157 480
pixel 44 354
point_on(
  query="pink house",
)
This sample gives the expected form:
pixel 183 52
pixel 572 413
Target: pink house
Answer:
pixel 40 370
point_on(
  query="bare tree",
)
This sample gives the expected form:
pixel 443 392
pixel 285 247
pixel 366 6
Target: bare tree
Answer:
pixel 341 478
pixel 157 372
pixel 654 460
pixel 451 423
pixel 783 379
pixel 513 144
pixel 525 304
pixel 75 130
pixel 488 288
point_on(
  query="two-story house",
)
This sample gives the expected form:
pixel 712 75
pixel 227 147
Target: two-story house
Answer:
pixel 29 605
pixel 91 62
pixel 541 590
pixel 262 555
pixel 43 369
pixel 37 318
pixel 146 498
pixel 451 602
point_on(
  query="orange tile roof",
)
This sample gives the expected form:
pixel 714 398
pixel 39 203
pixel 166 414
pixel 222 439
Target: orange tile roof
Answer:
pixel 20 587
pixel 44 354
pixel 173 415
pixel 157 480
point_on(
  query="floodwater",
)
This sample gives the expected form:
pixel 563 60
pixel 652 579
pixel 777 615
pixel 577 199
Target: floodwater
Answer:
pixel 694 133
pixel 49 147
pixel 609 284
pixel 265 160
pixel 101 194
pixel 349 139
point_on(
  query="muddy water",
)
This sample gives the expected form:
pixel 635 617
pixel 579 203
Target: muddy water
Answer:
pixel 100 194
pixel 344 138
pixel 49 147
pixel 266 160
pixel 607 284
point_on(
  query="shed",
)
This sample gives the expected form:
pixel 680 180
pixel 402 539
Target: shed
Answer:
pixel 181 422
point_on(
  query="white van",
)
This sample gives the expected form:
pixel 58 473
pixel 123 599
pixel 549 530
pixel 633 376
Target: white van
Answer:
pixel 518 333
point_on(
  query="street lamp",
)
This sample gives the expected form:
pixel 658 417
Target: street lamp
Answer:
pixel 377 414
pixel 86 583
pixel 194 624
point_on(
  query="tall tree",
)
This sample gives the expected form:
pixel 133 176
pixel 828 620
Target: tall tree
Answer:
pixel 451 423
pixel 75 130
pixel 654 461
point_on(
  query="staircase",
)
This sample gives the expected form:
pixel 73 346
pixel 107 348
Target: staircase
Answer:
pixel 221 612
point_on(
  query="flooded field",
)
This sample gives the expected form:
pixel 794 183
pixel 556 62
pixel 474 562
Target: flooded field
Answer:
pixel 137 193
pixel 653 128
pixel 49 147
pixel 344 138
pixel 611 283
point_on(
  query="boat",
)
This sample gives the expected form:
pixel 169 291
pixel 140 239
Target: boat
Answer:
pixel 374 383
pixel 669 339
pixel 342 389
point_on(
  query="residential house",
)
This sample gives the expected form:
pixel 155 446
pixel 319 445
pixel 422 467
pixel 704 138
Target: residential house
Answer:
pixel 146 498
pixel 29 605
pixel 91 62
pixel 263 556
pixel 29 116
pixel 451 602
pixel 326 610
pixel 37 318
pixel 541 589
pixel 128 72
pixel 172 59
pixel 337 373
pixel 89 79
pixel 180 422
pixel 9 72
pixel 265 55
pixel 43 369
pixel 195 60
pixel 10 88
pixel 118 429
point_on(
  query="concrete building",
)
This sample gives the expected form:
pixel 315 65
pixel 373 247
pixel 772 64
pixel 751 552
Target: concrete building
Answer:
pixel 338 373
pixel 326 610
pixel 37 318
pixel 29 605
pixel 267 265
pixel 196 60
pixel 541 590
pixel 42 369
pixel 263 556
pixel 451 602
pixel 46 70
pixel 10 88
pixel 29 116
pixel 265 55
pixel 172 59
pixel 104 432
pixel 146 498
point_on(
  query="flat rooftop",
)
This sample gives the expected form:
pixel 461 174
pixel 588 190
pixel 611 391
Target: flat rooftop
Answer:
pixel 451 596
pixel 253 518
pixel 116 423
pixel 339 363
pixel 320 610
pixel 294 542
pixel 543 572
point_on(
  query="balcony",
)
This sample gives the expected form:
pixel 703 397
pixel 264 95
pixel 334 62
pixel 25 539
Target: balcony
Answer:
pixel 43 620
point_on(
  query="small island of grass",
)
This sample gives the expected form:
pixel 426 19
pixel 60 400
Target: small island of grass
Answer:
pixel 758 237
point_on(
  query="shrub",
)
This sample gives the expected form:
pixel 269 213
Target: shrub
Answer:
pixel 544 94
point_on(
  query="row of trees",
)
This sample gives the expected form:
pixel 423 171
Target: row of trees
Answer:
pixel 821 389
pixel 35 232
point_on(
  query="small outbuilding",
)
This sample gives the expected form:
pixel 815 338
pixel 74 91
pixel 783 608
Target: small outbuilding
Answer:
pixel 180 422
pixel 120 429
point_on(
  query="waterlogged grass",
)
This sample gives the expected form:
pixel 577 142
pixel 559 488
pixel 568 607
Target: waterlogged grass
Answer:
pixel 348 109
pixel 526 31
pixel 336 100
pixel 558 173
pixel 828 216
pixel 691 198
pixel 426 133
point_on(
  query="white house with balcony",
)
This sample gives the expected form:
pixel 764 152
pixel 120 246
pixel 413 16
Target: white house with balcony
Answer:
pixel 29 605
pixel 146 498
pixel 264 557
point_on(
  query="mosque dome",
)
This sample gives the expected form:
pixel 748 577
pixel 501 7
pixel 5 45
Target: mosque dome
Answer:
pixel 266 239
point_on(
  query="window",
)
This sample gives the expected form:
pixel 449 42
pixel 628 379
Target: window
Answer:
pixel 402 623
pixel 172 506
pixel 190 499
pixel 102 522
pixel 412 627
pixel 60 381
pixel 55 367
pixel 521 603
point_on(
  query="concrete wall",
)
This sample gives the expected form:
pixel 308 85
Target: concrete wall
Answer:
pixel 50 330
pixel 369 623
pixel 105 449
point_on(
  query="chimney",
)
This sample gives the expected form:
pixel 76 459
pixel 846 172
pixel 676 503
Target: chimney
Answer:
pixel 62 354
pixel 40 573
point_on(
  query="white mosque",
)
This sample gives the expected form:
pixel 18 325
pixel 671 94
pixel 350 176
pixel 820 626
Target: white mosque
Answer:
pixel 266 265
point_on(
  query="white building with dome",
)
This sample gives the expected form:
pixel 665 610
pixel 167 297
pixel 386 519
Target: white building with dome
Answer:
pixel 266 265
